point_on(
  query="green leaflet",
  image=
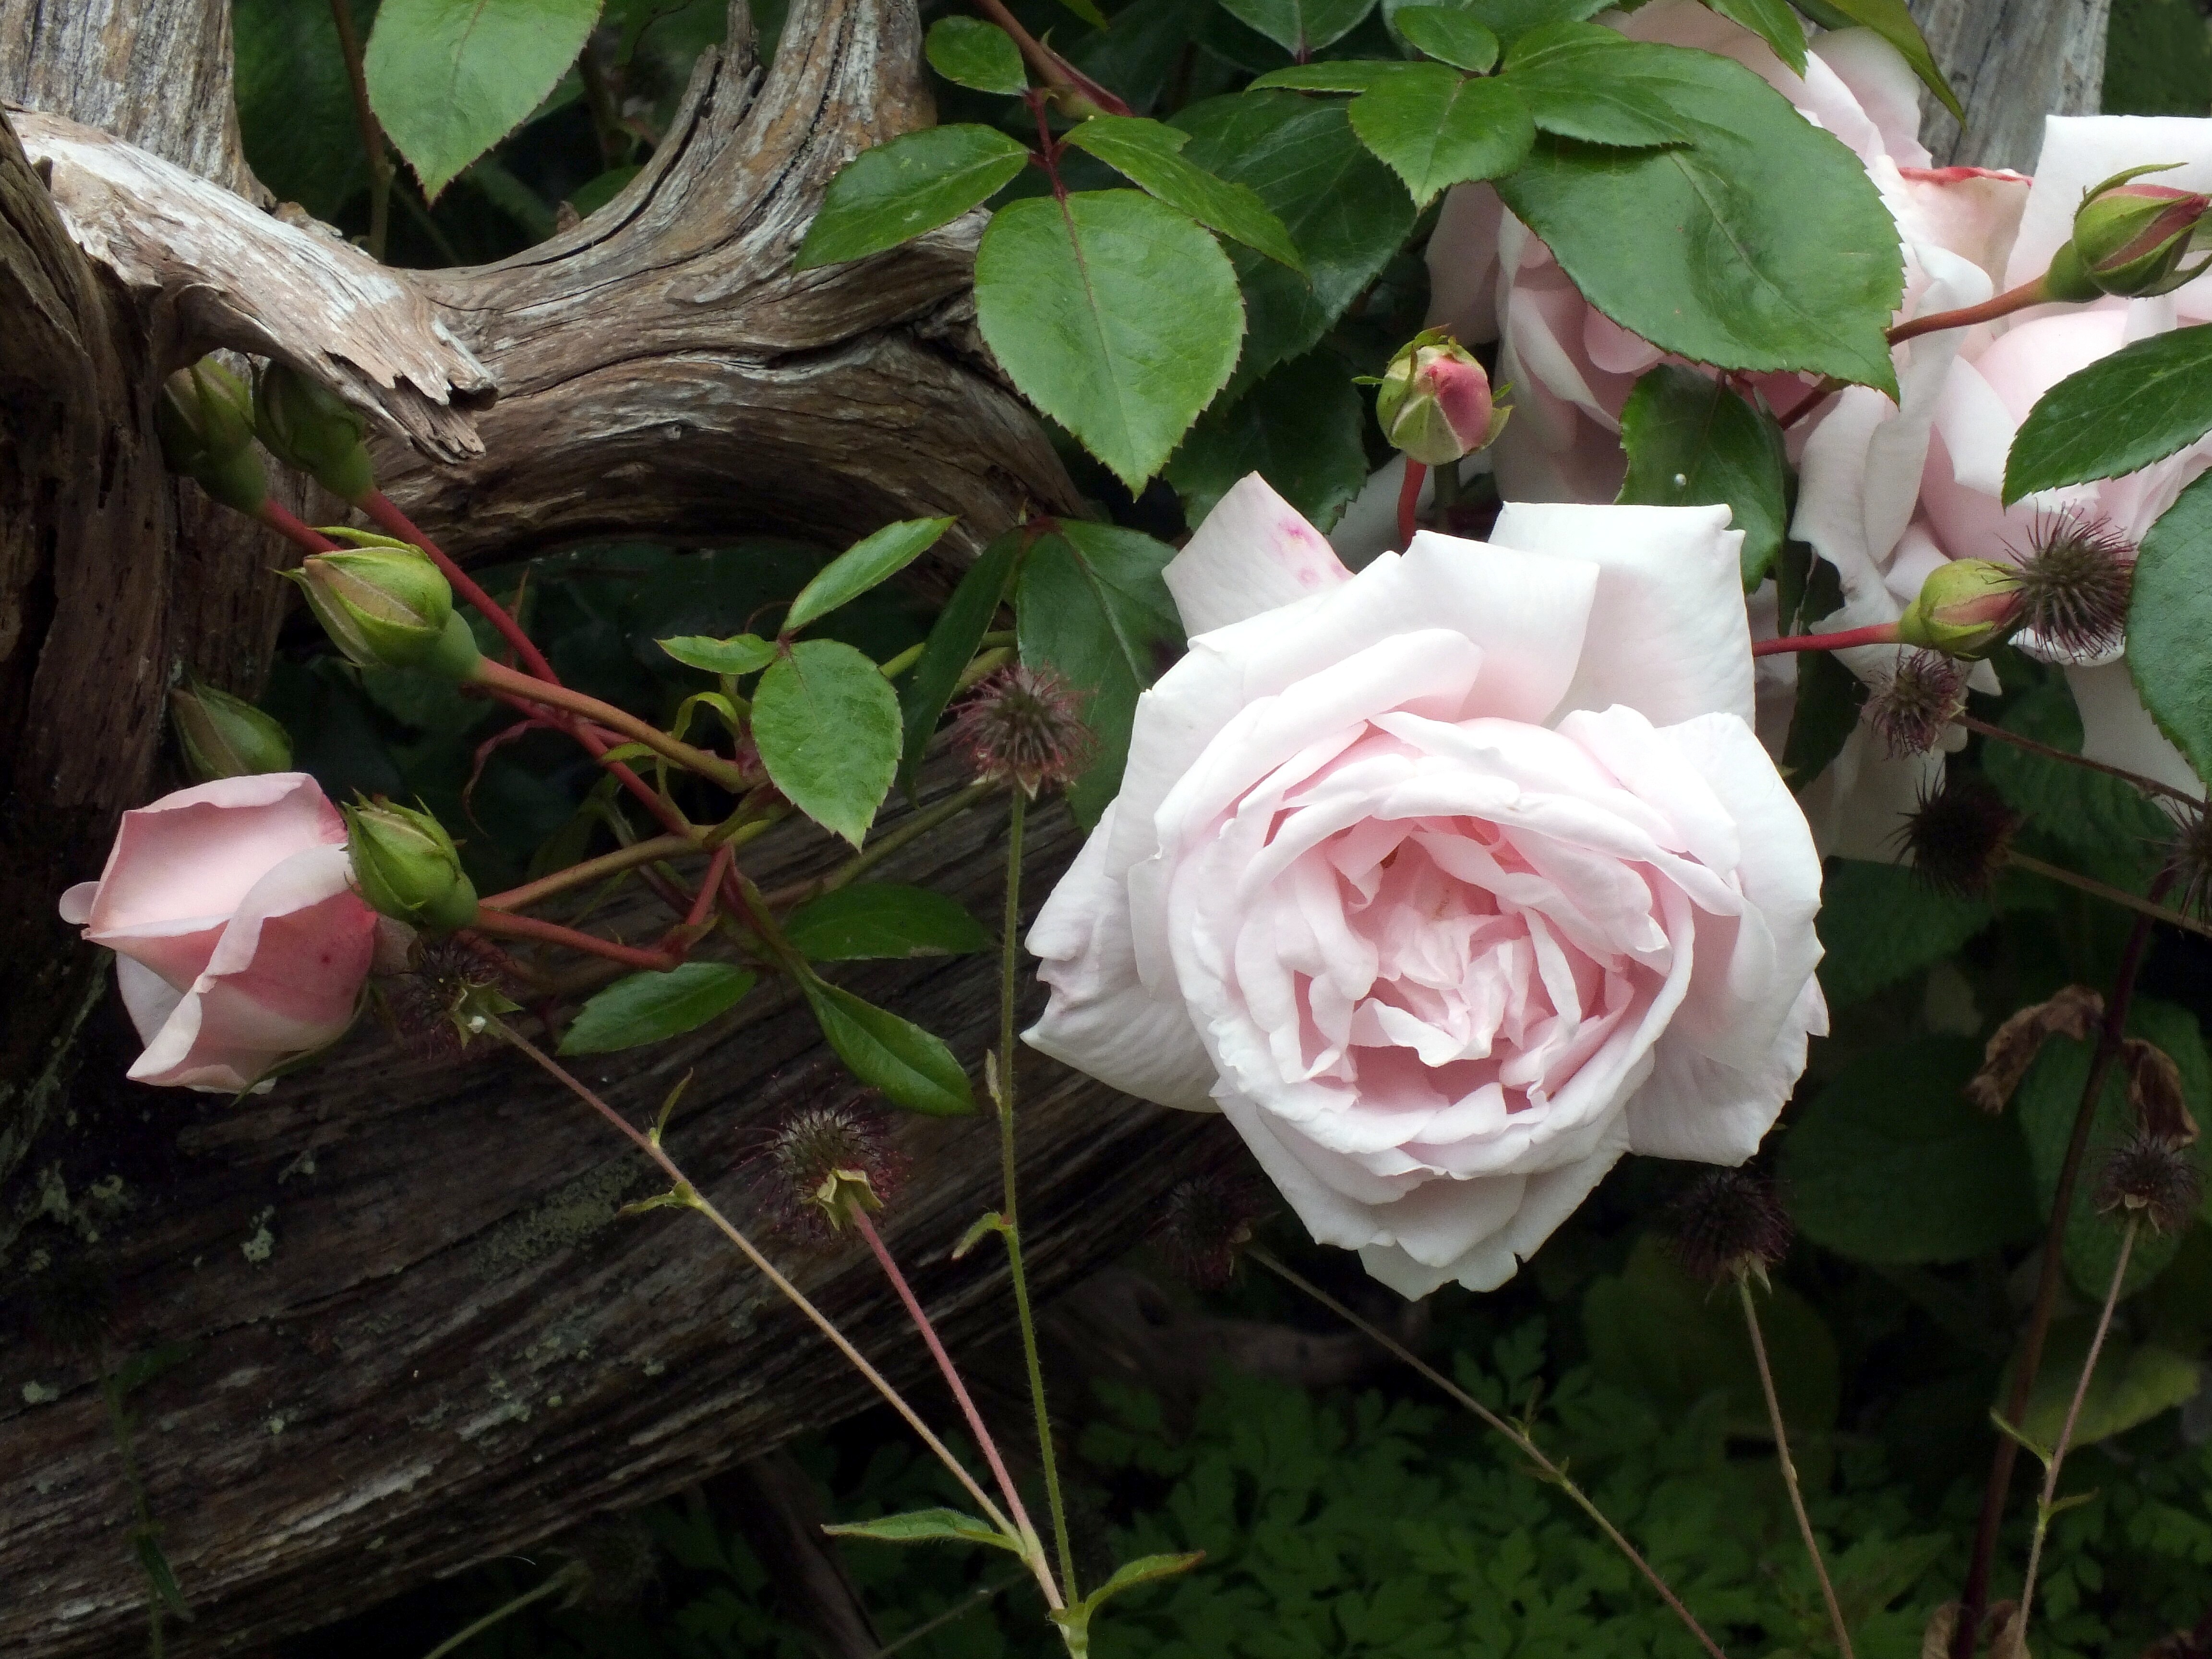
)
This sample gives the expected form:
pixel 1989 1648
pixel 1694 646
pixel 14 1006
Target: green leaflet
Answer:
pixel 974 53
pixel 881 919
pixel 2170 624
pixel 1146 152
pixel 650 1007
pixel 913 184
pixel 2144 403
pixel 861 565
pixel 1582 80
pixel 1300 27
pixel 1435 127
pixel 1690 441
pixel 827 723
pixel 910 1067
pixel 1890 20
pixel 1448 35
pixel 959 629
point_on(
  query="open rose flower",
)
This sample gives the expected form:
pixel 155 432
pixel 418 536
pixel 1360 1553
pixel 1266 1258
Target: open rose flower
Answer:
pixel 239 939
pixel 1451 881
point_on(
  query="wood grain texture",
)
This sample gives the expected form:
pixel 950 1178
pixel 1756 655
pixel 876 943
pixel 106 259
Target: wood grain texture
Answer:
pixel 2012 63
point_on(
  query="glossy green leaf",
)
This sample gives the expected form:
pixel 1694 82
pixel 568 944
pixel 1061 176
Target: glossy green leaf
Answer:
pixel 881 919
pixel 1300 27
pixel 1691 441
pixel 1761 244
pixel 1346 210
pixel 874 559
pixel 1890 20
pixel 1881 922
pixel 651 1008
pixel 916 182
pixel 1822 719
pixel 451 78
pixel 925 1526
pixel 1582 80
pixel 1449 35
pixel 1145 1570
pixel 1146 151
pixel 1092 608
pixel 1891 1162
pixel 827 723
pixel 1114 314
pixel 1509 19
pixel 971 52
pixel 2141 403
pixel 958 629
pixel 1773 21
pixel 1337 74
pixel 909 1067
pixel 741 653
pixel 1299 429
pixel 2100 818
pixel 1437 128
pixel 2170 624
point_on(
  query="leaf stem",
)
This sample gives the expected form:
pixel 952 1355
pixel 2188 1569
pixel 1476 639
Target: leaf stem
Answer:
pixel 372 130
pixel 1873 633
pixel 2044 1511
pixel 569 1577
pixel 498 676
pixel 1055 71
pixel 501 925
pixel 2110 894
pixel 1789 1465
pixel 2030 293
pixel 1528 1447
pixel 591 870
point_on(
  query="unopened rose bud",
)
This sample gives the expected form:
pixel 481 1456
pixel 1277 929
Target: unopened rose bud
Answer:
pixel 226 737
pixel 306 425
pixel 1435 403
pixel 204 418
pixel 388 607
pixel 1965 608
pixel 405 866
pixel 2130 239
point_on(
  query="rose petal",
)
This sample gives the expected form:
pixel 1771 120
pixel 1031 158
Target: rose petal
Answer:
pixel 1463 264
pixel 2116 729
pixel 148 999
pixel 1254 552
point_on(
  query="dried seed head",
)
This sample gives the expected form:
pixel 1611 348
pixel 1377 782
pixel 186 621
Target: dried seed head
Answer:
pixel 829 1160
pixel 2189 860
pixel 1728 1221
pixel 2075 579
pixel 1203 1224
pixel 72 1307
pixel 1024 726
pixel 443 996
pixel 1957 837
pixel 1915 705
pixel 2008 1053
pixel 2154 1178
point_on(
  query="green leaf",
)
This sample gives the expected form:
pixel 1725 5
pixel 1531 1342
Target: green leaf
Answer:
pixel 971 52
pixel 1892 1163
pixel 140 1369
pixel 1509 19
pixel 1761 244
pixel 1300 429
pixel 912 1068
pixel 2134 1382
pixel 2170 624
pixel 1435 127
pixel 295 112
pixel 882 919
pixel 1114 314
pixel 916 182
pixel 1146 151
pixel 926 1527
pixel 2101 818
pixel 827 725
pixel 1690 441
pixel 742 653
pixel 1582 80
pixel 1092 608
pixel 1301 27
pixel 2144 403
pixel 874 559
pixel 597 192
pixel 451 78
pixel 652 1007
pixel 1822 722
pixel 1087 11
pixel 1346 212
pixel 1894 23
pixel 1448 35
pixel 1338 74
pixel 156 1565
pixel 958 629
pixel 1145 1570
pixel 1773 21
pixel 1879 923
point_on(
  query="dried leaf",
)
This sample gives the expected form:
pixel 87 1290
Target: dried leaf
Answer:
pixel 2072 1012
pixel 1942 1625
pixel 2008 1634
pixel 2154 1091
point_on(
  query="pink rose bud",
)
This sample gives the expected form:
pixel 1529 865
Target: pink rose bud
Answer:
pixel 240 942
pixel 1435 402
pixel 204 418
pixel 226 737
pixel 2130 238
pixel 1965 608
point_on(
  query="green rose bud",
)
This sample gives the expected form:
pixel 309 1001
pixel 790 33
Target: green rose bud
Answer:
pixel 1965 608
pixel 388 607
pixel 306 425
pixel 406 866
pixel 2130 239
pixel 226 737
pixel 1435 401
pixel 204 418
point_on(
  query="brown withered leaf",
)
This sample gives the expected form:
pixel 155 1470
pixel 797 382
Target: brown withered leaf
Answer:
pixel 2154 1091
pixel 2072 1012
pixel 2007 1632
pixel 1943 1626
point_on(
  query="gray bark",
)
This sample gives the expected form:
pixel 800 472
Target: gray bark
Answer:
pixel 2012 63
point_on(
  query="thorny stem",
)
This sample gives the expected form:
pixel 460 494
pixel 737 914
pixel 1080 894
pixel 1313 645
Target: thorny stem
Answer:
pixel 498 676
pixel 1789 1464
pixel 1528 1447
pixel 381 508
pixel 1873 633
pixel 372 130
pixel 118 1423
pixel 1409 500
pixel 2043 1506
pixel 501 925
pixel 790 1292
pixel 2148 786
pixel 880 848
pixel 1054 70
pixel 920 1316
pixel 591 870
pixel 1048 148
pixel 567 1578
pixel 1009 979
pixel 2109 893
pixel 1974 1598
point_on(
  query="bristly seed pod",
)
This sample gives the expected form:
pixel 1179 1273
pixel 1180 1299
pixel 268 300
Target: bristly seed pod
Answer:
pixel 828 1161
pixel 1021 726
pixel 1728 1221
pixel 2153 1178
pixel 2189 861
pixel 2074 580
pixel 1914 707
pixel 438 1001
pixel 1957 837
pixel 1203 1225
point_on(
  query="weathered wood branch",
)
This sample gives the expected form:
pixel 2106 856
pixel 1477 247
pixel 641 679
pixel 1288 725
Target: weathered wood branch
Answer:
pixel 2012 63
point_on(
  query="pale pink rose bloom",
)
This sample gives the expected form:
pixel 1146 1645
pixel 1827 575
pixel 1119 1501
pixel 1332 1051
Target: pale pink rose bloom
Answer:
pixel 238 939
pixel 1449 882
pixel 1570 367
